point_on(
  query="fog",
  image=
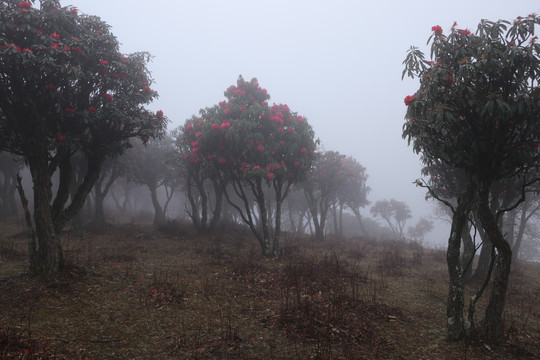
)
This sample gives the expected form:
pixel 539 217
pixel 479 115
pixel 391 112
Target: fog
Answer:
pixel 336 62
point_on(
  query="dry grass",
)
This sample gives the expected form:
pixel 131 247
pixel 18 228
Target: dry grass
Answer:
pixel 154 295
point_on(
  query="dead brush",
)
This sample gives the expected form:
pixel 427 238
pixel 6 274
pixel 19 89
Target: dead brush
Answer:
pixel 320 303
pixel 163 288
pixel 391 261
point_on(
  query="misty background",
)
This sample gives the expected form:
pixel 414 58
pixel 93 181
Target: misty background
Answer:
pixel 338 63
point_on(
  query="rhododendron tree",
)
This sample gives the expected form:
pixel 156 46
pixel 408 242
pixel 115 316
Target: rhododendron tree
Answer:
pixel 477 110
pixel 252 147
pixel 65 88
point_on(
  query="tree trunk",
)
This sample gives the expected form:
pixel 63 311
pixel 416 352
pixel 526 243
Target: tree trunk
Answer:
pixel 494 313
pixel 48 256
pixel 454 308
pixel 159 216
pixel 468 252
pixel 266 246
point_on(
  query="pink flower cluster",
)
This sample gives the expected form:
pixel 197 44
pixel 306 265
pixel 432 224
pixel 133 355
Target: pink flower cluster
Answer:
pixel 437 29
pixel 409 99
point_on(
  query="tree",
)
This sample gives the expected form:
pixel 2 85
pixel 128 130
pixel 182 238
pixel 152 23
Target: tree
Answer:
pixel 477 110
pixel 253 148
pixel 66 89
pixel 203 188
pixel 394 213
pixel 321 188
pixel 152 165
pixel 418 231
pixel 335 182
pixel 353 192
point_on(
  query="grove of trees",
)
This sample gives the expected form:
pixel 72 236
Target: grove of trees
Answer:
pixel 73 115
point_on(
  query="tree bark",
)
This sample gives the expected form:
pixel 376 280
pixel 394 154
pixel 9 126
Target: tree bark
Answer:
pixel 455 303
pixel 48 255
pixel 468 252
pixel 159 216
pixel 492 324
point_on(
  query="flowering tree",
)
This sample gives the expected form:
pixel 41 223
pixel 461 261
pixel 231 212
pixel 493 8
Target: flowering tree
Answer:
pixel 252 147
pixel 394 213
pixel 203 188
pixel 64 89
pixel 477 110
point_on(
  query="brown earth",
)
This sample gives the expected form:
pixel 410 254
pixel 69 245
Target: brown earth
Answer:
pixel 136 293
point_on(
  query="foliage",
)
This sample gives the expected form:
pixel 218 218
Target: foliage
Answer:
pixel 334 181
pixel 418 231
pixel 251 146
pixel 395 213
pixel 154 164
pixel 477 110
pixel 65 88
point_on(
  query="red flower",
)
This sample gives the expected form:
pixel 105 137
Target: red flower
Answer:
pixel 103 62
pixel 300 118
pixel 260 148
pixel 270 176
pixel 69 111
pixel 291 130
pixel 27 50
pixel 189 127
pixel 297 163
pixel 216 126
pixel 464 32
pixel 38 32
pixel 55 36
pixel 222 161
pixel 147 89
pixel 159 113
pixel 55 46
pixel 61 137
pixel 108 97
pixel 304 150
pixel 198 133
pixel 50 87
pixel 437 29
pixel 73 10
pixel 25 5
pixel 77 50
pixel 92 109
pixel 409 99
pixel 67 48
pixel 225 125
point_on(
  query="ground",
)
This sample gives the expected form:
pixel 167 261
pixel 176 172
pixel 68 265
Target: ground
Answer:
pixel 137 293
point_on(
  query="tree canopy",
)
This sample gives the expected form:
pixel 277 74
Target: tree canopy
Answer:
pixel 65 88
pixel 477 110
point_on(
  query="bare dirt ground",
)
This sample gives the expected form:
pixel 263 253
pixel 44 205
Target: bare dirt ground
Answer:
pixel 177 295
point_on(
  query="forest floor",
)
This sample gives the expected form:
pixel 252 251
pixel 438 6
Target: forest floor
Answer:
pixel 177 295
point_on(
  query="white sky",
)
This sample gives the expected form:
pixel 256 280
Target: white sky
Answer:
pixel 337 62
